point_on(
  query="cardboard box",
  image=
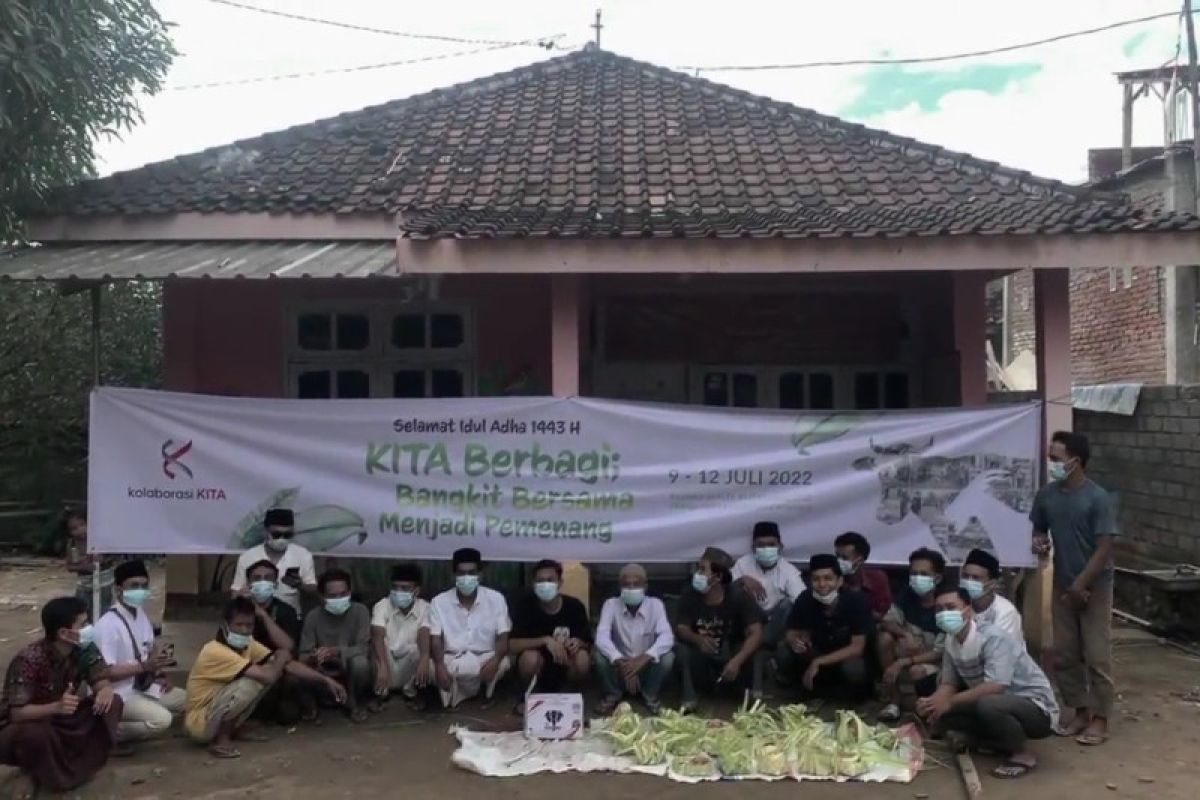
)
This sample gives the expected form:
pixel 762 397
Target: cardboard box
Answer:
pixel 553 716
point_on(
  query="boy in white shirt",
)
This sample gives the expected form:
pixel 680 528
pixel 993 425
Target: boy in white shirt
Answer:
pixel 978 576
pixel 400 638
pixel 770 580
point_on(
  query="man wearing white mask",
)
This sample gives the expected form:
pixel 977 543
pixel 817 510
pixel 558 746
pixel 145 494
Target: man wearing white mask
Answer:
pixel 125 637
pixel 825 647
pixel 469 626
pixel 400 639
pixel 909 644
pixel 990 688
pixel 772 581
pixel 633 644
pixel 978 577
pixel 551 636
pixel 336 641
pixel 294 562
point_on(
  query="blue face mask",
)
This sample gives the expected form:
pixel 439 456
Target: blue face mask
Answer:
pixel 950 621
pixel 1057 471
pixel 262 591
pixel 402 599
pixel 337 605
pixel 766 556
pixel 238 641
pixel 545 590
pixel 87 635
pixel 922 584
pixel 467 584
pixel 135 597
pixel 633 597
pixel 700 582
pixel 974 588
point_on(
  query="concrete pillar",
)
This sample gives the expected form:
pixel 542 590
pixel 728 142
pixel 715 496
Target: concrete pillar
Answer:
pixel 970 336
pixel 1180 281
pixel 565 325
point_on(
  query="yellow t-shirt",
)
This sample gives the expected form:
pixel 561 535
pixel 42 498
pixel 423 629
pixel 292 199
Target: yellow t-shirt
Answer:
pixel 217 666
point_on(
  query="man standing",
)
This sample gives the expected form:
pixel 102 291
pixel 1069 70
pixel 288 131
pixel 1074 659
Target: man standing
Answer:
pixel 1078 515
pixel 633 643
pixel 276 627
pixel 853 550
pixel 772 581
pixel 56 738
pixel 825 647
pixel 910 645
pixel 978 577
pixel 336 641
pixel 718 633
pixel 294 562
pixel 125 636
pixel 231 674
pixel 551 635
pixel 400 639
pixel 470 626
pixel 990 688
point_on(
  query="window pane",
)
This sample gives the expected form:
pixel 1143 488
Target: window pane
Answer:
pixel 353 383
pixel 408 383
pixel 353 332
pixel 866 390
pixel 446 330
pixel 791 390
pixel 820 390
pixel 745 390
pixel 314 332
pixel 446 383
pixel 313 385
pixel 895 390
pixel 408 330
pixel 716 389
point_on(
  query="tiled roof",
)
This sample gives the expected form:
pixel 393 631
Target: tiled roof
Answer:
pixel 597 145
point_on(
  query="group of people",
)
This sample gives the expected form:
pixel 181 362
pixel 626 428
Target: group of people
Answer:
pixel 953 652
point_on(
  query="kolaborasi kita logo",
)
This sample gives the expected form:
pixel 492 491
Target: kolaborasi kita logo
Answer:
pixel 175 467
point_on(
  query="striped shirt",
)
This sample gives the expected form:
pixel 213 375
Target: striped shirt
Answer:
pixel 989 655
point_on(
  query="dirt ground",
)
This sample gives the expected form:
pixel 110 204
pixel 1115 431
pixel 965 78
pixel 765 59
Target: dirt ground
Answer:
pixel 1153 752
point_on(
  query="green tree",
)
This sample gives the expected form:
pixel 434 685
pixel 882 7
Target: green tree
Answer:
pixel 70 72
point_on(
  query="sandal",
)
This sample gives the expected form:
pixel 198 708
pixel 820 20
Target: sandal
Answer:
pixel 224 751
pixel 1091 739
pixel 1011 770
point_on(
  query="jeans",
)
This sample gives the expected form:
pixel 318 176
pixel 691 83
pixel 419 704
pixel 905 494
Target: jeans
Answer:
pixel 776 627
pixel 651 676
pixel 1083 644
pixel 1003 721
pixel 851 677
pixel 699 671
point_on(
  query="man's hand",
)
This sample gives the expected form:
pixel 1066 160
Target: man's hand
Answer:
pixel 421 679
pixel 810 674
pixel 558 651
pixel 337 690
pixel 383 677
pixel 733 668
pixel 797 643
pixel 159 661
pixel 1077 597
pixel 489 670
pixel 909 645
pixel 633 684
pixel 632 666
pixel 1041 545
pixel 574 645
pixel 103 701
pixel 68 702
pixel 892 673
pixel 325 654
pixel 709 645
pixel 442 675
pixel 933 707
pixel 754 587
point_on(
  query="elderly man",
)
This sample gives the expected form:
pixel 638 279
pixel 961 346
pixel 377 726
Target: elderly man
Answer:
pixel 469 625
pixel 770 579
pixel 400 639
pixel 990 689
pixel 718 632
pixel 294 562
pixel 125 636
pixel 336 641
pixel 551 635
pixel 633 644
pixel 58 739
pixel 978 577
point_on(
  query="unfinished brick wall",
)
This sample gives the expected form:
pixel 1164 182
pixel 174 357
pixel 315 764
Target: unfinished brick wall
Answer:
pixel 1118 333
pixel 1151 462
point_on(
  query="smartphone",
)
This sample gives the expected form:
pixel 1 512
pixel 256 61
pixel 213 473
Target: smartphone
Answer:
pixel 294 572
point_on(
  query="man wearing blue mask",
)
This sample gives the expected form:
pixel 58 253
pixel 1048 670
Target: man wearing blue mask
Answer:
pixel 773 581
pixel 551 635
pixel 298 578
pixel 718 633
pixel 909 645
pixel 469 627
pixel 400 640
pixel 633 643
pixel 125 637
pixel 978 577
pixel 990 689
pixel 276 626
pixel 336 641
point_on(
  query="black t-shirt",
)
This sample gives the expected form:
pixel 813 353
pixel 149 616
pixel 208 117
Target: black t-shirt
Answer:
pixel 924 618
pixel 285 617
pixel 530 620
pixel 850 616
pixel 726 622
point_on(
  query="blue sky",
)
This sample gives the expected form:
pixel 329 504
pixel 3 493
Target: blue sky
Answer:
pixel 1038 109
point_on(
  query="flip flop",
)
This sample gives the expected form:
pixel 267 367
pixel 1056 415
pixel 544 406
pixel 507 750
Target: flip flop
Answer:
pixel 224 751
pixel 1011 770
pixel 359 715
pixel 1091 739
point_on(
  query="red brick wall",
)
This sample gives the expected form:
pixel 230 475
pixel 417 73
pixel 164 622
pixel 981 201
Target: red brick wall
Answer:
pixel 1117 334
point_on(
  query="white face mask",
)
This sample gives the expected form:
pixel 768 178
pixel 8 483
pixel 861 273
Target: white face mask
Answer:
pixel 826 599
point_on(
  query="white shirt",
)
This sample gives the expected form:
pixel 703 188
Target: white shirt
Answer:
pixel 1003 615
pixel 625 634
pixel 781 582
pixel 116 646
pixel 469 630
pixel 400 627
pixel 295 557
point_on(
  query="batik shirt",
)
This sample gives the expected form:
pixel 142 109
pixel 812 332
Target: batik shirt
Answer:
pixel 40 674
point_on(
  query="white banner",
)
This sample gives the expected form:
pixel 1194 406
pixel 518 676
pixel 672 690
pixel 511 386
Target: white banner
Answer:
pixel 577 479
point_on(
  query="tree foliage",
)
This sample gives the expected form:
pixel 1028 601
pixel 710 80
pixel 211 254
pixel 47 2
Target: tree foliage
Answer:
pixel 70 72
pixel 46 366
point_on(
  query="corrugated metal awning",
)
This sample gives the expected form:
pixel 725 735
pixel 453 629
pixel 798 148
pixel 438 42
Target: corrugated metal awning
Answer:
pixel 160 260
